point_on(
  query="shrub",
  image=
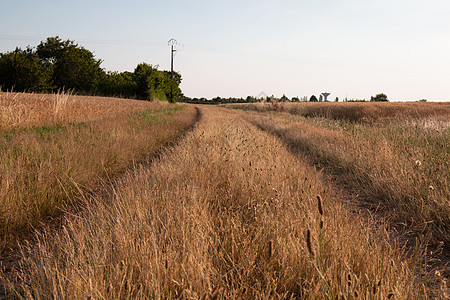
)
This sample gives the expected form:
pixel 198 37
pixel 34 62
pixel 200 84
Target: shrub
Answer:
pixel 379 98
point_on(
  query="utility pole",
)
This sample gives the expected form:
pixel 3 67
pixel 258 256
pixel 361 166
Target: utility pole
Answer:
pixel 172 42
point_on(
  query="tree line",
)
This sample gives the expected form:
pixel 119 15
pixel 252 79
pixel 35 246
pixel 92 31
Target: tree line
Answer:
pixel 57 64
pixel 284 98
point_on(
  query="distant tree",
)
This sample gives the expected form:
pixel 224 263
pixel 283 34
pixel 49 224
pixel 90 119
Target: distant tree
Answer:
pixel 336 100
pixel 379 98
pixel 284 98
pixel 251 99
pixel 320 98
pixel 295 99
pixel 313 98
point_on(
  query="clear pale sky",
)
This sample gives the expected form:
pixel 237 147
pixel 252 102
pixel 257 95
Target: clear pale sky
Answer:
pixel 353 48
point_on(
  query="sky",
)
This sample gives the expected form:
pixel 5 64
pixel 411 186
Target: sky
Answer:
pixel 235 48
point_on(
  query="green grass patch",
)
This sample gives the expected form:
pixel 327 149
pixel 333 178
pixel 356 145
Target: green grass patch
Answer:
pixel 155 117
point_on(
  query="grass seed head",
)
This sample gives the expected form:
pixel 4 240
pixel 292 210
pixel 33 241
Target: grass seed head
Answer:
pixel 308 242
pixel 319 204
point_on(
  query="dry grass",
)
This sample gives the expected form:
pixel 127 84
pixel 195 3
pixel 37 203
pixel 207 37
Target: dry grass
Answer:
pixel 85 141
pixel 401 165
pixel 22 110
pixel 368 113
pixel 229 213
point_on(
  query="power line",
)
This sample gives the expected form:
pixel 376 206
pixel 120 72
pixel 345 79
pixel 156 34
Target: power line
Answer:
pixel 229 52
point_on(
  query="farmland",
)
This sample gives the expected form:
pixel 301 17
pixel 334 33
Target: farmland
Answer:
pixel 264 201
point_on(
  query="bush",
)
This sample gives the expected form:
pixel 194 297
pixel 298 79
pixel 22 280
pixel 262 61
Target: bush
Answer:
pixel 379 98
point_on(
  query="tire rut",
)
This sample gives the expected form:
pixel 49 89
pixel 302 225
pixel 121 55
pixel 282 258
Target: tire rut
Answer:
pixel 435 257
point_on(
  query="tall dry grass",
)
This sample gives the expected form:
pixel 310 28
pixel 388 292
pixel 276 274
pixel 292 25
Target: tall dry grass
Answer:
pixel 80 144
pixel 229 213
pixel 399 166
pixel 367 113
pixel 23 110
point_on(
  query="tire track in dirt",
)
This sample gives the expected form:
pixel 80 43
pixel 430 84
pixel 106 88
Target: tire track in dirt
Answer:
pixel 436 257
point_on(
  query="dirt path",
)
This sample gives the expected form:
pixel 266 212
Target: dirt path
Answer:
pixel 227 213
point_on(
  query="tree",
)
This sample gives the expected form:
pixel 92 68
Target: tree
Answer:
pixel 379 98
pixel 22 70
pixel 118 84
pixel 320 98
pixel 284 98
pixel 250 99
pixel 154 84
pixel 172 86
pixel 313 98
pixel 57 64
pixel 337 99
pixel 147 81
pixel 71 66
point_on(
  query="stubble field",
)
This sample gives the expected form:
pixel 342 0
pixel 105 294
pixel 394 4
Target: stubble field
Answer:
pixel 261 204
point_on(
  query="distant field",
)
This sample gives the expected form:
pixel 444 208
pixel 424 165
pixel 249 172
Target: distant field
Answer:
pixel 53 148
pixel 361 112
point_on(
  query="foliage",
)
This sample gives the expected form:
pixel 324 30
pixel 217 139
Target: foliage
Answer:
pixel 284 98
pixel 379 98
pixel 220 100
pixel 71 66
pixel 56 64
pixel 118 84
pixel 22 70
pixel 313 98
pixel 154 84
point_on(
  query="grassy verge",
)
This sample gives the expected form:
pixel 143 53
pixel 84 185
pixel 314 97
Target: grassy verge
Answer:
pixel 44 168
pixel 229 213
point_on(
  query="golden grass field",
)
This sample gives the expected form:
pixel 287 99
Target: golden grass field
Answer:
pixel 50 156
pixel 261 204
pixel 398 162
